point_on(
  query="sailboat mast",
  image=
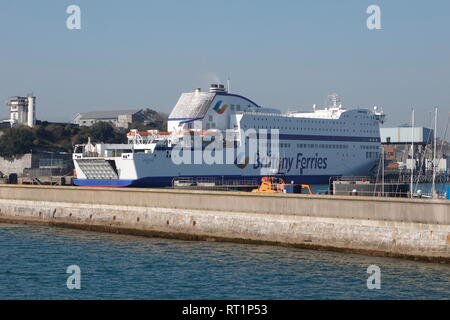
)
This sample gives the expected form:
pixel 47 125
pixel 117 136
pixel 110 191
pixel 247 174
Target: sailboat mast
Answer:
pixel 382 171
pixel 433 185
pixel 411 187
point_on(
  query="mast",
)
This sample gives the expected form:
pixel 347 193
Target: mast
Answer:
pixel 411 187
pixel 382 171
pixel 433 185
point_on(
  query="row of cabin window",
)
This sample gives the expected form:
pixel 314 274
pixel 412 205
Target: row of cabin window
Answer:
pixel 311 129
pixel 327 122
pixel 372 155
pixel 316 146
pixel 369 147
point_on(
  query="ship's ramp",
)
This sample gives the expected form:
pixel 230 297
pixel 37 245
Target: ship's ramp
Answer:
pixel 97 169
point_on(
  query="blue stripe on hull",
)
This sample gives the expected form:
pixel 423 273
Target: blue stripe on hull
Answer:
pixel 304 137
pixel 103 183
pixel 167 181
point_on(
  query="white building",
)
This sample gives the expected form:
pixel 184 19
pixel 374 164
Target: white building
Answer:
pixel 22 111
pixel 406 135
pixel 442 165
pixel 118 118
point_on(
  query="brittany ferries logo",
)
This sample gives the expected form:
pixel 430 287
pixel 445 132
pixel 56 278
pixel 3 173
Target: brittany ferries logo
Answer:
pixel 219 107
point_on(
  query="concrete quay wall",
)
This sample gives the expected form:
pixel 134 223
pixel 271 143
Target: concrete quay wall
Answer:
pixel 418 229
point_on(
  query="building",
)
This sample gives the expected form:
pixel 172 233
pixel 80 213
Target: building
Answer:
pixel 118 118
pixel 37 161
pixel 406 135
pixel 398 142
pixel 22 111
pixel 442 165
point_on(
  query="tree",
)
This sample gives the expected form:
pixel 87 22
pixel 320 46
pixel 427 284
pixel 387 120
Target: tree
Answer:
pixel 151 119
pixel 101 131
pixel 16 142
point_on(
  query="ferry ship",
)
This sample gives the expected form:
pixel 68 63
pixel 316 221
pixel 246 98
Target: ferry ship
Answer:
pixel 312 146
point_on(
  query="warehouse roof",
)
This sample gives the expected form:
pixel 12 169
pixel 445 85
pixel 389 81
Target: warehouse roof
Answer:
pixel 107 114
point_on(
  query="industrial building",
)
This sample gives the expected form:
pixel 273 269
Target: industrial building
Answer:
pixel 36 163
pixel 22 111
pixel 406 135
pixel 118 118
pixel 397 144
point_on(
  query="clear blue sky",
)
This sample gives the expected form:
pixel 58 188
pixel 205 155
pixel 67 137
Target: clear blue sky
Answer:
pixel 284 54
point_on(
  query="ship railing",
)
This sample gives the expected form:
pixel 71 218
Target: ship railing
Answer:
pixel 213 183
pixel 138 139
pixel 351 178
pixel 362 179
pixel 370 186
pixel 392 193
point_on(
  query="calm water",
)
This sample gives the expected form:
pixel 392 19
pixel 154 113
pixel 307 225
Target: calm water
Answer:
pixel 33 262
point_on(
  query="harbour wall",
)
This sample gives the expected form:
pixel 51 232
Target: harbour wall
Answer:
pixel 408 228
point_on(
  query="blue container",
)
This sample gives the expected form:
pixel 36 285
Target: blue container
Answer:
pixel 448 193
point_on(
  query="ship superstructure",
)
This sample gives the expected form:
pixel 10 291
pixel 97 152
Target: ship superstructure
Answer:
pixel 310 146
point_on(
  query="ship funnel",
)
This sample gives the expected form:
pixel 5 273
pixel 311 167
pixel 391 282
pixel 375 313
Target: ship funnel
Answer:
pixel 217 88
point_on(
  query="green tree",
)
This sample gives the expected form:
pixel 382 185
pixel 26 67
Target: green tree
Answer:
pixel 16 142
pixel 101 131
pixel 151 119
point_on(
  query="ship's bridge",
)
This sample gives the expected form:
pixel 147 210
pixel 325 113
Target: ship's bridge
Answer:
pixel 332 111
pixel 327 113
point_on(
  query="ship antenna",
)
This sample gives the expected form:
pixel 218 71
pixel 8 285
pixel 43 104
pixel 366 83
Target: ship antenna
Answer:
pixel 334 100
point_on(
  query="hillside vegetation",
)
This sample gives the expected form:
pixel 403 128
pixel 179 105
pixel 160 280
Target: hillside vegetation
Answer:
pixel 56 137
